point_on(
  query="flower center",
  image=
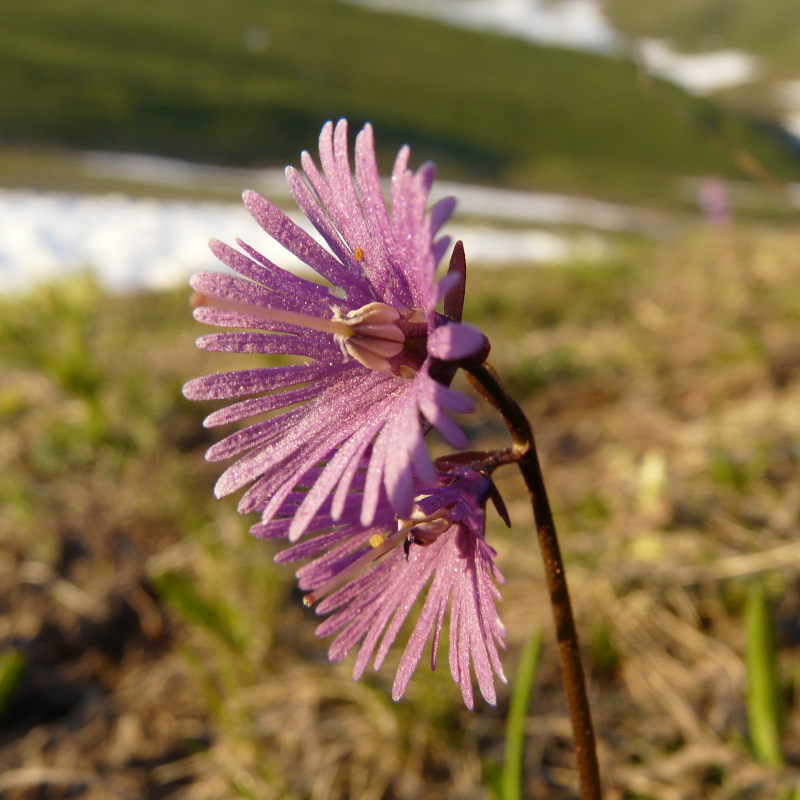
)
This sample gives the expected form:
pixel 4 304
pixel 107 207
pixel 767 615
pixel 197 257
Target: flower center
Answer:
pixel 372 336
pixel 420 529
pixel 423 530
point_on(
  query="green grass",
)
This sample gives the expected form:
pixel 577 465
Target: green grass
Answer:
pixel 12 665
pixel 517 714
pixel 176 79
pixel 763 690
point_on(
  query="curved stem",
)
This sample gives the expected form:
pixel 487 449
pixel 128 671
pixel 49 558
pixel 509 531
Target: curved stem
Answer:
pixel 527 459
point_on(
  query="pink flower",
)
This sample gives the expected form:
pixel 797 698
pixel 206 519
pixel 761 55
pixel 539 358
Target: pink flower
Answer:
pixel 370 341
pixel 370 577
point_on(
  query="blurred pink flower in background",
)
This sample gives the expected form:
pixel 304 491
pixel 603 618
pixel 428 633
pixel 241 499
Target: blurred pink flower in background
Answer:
pixel 715 202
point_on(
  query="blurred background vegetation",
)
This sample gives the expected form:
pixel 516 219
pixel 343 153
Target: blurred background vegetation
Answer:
pixel 149 648
pixel 246 83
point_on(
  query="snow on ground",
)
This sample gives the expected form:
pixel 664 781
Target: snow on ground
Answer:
pixel 698 73
pixel 577 24
pixel 144 243
pixel 788 97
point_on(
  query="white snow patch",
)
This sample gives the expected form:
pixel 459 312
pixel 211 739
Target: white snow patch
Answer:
pixel 492 247
pixel 788 98
pixel 700 73
pixel 577 24
pixel 788 94
pixel 791 122
pixel 128 242
pixel 479 201
pixel 135 243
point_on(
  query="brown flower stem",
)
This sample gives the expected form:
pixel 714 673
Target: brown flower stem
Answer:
pixel 524 447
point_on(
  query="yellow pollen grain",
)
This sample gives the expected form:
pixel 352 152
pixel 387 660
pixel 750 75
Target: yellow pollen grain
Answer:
pixel 376 540
pixel 359 254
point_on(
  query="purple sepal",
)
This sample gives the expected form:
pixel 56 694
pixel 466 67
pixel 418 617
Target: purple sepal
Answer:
pixel 455 341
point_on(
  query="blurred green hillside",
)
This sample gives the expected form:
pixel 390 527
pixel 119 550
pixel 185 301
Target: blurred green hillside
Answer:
pixel 769 30
pixel 249 83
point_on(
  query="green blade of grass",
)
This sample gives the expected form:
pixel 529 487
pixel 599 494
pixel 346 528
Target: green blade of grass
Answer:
pixel 210 613
pixel 517 711
pixel 12 665
pixel 763 691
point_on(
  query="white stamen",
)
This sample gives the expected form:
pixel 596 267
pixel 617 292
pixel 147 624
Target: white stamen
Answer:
pixel 381 347
pixel 426 528
pixel 366 357
pixel 430 531
pixel 374 337
pixel 417 516
pixel 387 332
pixel 373 314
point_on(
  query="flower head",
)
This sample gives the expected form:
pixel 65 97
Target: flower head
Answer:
pixel 371 339
pixel 369 578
